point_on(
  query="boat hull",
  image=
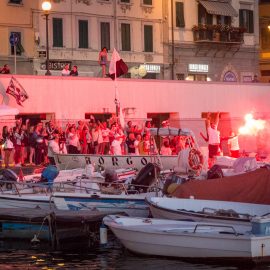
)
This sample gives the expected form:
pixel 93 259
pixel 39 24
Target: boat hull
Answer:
pixel 131 205
pixel 69 161
pixel 27 201
pixel 178 239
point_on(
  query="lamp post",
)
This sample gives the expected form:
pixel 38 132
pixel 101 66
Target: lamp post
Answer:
pixel 46 7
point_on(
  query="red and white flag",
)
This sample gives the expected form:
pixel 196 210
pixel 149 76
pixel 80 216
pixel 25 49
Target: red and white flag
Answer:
pixel 117 66
pixel 16 90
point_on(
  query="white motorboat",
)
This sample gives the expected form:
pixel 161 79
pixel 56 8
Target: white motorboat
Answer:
pixel 71 161
pixel 193 240
pixel 205 210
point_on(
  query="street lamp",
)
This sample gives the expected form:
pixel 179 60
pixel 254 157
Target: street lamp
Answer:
pixel 46 7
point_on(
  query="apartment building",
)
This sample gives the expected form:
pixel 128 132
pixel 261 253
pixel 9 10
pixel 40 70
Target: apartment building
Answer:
pixel 78 29
pixel 215 40
pixel 265 40
pixel 16 20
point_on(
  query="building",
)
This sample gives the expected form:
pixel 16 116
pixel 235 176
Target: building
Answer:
pixel 78 29
pixel 265 40
pixel 213 40
pixel 16 22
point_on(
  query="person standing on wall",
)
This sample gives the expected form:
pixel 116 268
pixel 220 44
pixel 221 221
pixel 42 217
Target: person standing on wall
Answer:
pixel 102 60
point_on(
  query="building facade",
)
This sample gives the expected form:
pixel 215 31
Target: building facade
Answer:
pixel 78 29
pixel 16 21
pixel 265 40
pixel 213 40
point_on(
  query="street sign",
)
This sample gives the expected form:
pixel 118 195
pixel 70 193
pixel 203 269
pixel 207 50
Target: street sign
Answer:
pixel 13 39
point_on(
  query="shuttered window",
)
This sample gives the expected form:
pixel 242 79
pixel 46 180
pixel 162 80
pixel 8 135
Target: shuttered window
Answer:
pixel 105 35
pixel 148 38
pixel 246 20
pixel 57 32
pixel 179 14
pixel 83 34
pixel 125 37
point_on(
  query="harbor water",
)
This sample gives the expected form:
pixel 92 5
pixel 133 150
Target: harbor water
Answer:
pixel 114 256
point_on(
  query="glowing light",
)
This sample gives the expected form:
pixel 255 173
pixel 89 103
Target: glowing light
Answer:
pixel 46 6
pixel 252 126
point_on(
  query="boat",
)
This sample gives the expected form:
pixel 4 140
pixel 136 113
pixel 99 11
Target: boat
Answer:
pixel 51 226
pixel 249 187
pixel 205 210
pixel 128 198
pixel 193 240
pixel 72 161
pixel 31 192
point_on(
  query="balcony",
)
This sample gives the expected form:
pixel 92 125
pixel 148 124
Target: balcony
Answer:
pixel 224 34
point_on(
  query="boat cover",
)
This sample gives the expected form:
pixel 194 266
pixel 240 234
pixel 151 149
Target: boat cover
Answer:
pixel 250 187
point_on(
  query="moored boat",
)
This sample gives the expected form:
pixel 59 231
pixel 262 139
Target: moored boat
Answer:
pixel 193 240
pixel 205 210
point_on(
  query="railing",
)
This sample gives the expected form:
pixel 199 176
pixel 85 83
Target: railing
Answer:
pixel 215 33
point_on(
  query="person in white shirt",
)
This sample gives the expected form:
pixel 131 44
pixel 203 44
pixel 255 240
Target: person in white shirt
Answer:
pixel 53 147
pixel 233 145
pixel 166 149
pixel 213 137
pixel 65 71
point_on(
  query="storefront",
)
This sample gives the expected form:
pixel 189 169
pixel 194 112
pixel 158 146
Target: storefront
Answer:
pixel 198 72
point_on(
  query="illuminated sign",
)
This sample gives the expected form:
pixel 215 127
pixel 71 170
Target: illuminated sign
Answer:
pixel 152 68
pixel 199 68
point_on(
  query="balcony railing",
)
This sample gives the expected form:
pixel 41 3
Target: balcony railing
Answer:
pixel 218 33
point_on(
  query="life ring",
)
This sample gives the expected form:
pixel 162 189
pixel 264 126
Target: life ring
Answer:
pixel 195 159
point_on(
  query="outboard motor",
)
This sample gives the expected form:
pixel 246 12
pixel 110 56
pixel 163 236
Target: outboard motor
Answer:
pixel 145 177
pixel 215 172
pixel 49 174
pixel 7 175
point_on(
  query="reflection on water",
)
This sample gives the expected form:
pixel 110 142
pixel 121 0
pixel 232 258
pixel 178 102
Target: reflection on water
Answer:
pixel 112 257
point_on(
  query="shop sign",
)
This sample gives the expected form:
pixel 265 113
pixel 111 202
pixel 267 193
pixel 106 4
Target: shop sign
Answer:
pixel 55 65
pixel 198 68
pixel 152 68
pixel 229 76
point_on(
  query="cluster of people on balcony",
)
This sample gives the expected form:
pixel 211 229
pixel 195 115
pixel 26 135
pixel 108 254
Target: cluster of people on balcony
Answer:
pixel 38 144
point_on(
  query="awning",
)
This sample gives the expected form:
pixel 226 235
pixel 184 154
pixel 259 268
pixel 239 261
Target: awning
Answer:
pixel 223 8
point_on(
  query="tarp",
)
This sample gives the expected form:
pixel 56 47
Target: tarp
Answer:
pixel 251 187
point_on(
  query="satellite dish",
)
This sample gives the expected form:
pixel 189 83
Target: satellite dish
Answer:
pixel 137 72
pixel 142 71
pixel 134 72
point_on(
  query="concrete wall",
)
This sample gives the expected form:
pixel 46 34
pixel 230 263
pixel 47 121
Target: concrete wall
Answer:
pixel 71 98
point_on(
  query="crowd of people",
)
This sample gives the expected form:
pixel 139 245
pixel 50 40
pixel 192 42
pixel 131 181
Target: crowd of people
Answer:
pixel 37 144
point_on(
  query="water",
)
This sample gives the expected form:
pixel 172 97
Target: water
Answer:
pixel 114 257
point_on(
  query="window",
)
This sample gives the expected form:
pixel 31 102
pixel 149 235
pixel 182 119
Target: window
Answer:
pixel 203 16
pixel 18 2
pixel 148 38
pixel 179 14
pixel 246 20
pixel 105 35
pixel 19 47
pixel 57 32
pixel 147 2
pixel 125 36
pixel 224 20
pixel 83 34
pixel 125 1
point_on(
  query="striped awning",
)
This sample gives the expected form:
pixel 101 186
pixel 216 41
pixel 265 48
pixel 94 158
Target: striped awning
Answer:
pixel 216 7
